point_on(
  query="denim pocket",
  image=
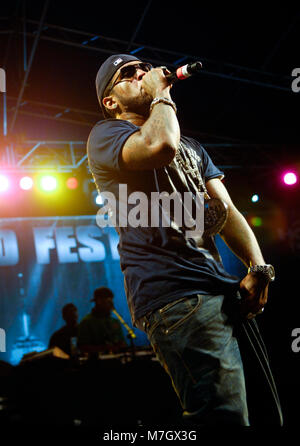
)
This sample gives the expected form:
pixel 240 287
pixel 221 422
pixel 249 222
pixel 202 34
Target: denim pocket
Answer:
pixel 176 313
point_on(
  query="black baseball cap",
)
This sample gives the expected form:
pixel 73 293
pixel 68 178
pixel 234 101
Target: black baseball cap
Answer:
pixel 102 292
pixel 107 70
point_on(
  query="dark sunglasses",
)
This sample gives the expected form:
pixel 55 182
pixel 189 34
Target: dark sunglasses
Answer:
pixel 127 73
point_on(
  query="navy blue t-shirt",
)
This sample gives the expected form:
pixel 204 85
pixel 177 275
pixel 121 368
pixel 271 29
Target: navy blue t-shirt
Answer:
pixel 160 264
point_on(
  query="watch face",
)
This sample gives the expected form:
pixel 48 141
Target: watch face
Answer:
pixel 271 272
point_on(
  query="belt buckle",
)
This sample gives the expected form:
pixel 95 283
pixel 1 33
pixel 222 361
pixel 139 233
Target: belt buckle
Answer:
pixel 145 321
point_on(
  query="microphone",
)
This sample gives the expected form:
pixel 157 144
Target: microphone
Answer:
pixel 184 72
pixel 130 331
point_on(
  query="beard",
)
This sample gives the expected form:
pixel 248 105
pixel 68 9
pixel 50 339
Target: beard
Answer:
pixel 139 104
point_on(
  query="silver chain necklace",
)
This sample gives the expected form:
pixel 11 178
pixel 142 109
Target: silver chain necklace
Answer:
pixel 215 210
pixel 191 169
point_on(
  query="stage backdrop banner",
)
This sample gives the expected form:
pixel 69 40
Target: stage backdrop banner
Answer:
pixel 48 262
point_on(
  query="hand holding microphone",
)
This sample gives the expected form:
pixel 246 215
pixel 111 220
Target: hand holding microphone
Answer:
pixel 184 72
pixel 165 78
pixel 181 73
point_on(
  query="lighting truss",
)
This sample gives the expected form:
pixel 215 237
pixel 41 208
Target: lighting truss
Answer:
pixel 44 110
pixel 34 156
pixel 38 156
pixel 158 56
pixel 68 156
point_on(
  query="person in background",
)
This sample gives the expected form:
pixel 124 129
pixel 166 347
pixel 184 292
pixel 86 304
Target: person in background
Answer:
pixel 62 338
pixel 98 331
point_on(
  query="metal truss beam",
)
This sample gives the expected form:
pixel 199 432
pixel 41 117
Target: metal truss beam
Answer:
pixel 139 24
pixel 81 39
pixel 159 56
pixel 40 156
pixel 69 156
pixel 28 67
pixel 60 113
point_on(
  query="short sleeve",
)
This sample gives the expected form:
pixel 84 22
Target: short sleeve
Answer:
pixel 105 144
pixel 209 170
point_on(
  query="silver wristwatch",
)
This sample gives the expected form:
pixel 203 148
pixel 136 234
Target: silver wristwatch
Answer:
pixel 267 270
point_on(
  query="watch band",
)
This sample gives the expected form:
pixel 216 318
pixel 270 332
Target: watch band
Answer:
pixel 267 270
pixel 165 101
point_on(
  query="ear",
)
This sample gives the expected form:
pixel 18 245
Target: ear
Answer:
pixel 110 103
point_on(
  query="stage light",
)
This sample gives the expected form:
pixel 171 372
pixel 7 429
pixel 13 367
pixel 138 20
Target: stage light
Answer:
pixel 48 183
pixel 254 198
pixel 99 200
pixel 290 178
pixel 72 183
pixel 256 221
pixel 4 183
pixel 26 183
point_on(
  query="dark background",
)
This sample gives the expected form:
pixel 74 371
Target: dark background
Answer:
pixel 241 108
pixel 227 41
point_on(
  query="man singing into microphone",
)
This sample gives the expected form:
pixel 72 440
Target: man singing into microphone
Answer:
pixel 176 285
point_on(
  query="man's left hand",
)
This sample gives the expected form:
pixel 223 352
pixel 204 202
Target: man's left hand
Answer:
pixel 254 293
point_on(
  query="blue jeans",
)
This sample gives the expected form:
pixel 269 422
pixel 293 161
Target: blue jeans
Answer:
pixel 194 342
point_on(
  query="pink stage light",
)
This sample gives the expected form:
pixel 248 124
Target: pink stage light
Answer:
pixel 4 183
pixel 290 178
